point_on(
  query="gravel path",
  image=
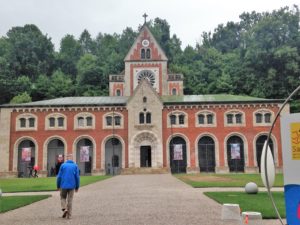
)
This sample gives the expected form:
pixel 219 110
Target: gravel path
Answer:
pixel 128 199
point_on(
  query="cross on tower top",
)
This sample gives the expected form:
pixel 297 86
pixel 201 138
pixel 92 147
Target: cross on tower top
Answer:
pixel 145 17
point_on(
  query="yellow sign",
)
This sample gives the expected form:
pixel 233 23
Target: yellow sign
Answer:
pixel 295 140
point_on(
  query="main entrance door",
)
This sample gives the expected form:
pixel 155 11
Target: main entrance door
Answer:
pixel 146 156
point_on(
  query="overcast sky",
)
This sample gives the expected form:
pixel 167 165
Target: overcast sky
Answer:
pixel 187 18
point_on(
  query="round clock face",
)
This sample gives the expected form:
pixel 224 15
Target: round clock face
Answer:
pixel 146 74
pixel 145 43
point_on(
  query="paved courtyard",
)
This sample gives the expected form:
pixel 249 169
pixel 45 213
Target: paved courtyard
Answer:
pixel 128 199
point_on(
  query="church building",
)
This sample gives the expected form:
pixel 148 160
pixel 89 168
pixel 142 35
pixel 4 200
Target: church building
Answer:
pixel 145 125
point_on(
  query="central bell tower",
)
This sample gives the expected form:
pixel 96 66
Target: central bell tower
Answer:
pixel 146 60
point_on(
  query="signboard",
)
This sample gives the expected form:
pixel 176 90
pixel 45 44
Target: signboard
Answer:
pixel 84 153
pixel 290 133
pixel 26 154
pixel 295 140
pixel 178 155
pixel 235 151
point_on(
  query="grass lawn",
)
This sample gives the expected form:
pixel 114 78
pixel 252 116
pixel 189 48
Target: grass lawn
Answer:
pixel 225 180
pixel 40 184
pixel 251 202
pixel 12 202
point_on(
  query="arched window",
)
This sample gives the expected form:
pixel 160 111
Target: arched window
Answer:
pixel 112 120
pixel 31 122
pixel 210 118
pixel 229 118
pixel 117 120
pixel 85 120
pixel 142 118
pixel 80 121
pixel 268 118
pixel 60 121
pixel 173 119
pixel 55 121
pixel 181 119
pixel 89 121
pixel 148 118
pixel 174 91
pixel 201 119
pixel 235 118
pixel 22 122
pixel 148 53
pixel 238 118
pixel 118 92
pixel 51 122
pixel 108 121
pixel 145 99
pixel 143 53
pixel 258 117
pixel 26 121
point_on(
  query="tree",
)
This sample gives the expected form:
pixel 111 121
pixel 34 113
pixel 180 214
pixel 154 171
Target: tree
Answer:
pixel 32 53
pixel 60 85
pixel 90 77
pixel 68 56
pixel 21 98
pixel 40 87
pixel 86 42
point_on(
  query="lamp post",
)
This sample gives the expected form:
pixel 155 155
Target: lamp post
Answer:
pixel 0 200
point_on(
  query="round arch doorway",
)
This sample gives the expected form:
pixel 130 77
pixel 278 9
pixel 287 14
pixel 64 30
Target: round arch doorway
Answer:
pixel 259 147
pixel 55 156
pixel 84 156
pixel 178 158
pixel 235 154
pixel 113 156
pixel 206 154
pixel 26 158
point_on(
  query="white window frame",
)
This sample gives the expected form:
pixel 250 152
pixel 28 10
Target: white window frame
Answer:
pixel 55 116
pixel 26 116
pixel 84 115
pixel 177 114
pixel 205 113
pixel 113 125
pixel 263 112
pixel 234 123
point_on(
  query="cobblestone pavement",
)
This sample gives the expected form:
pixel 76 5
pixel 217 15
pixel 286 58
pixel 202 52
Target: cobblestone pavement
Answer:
pixel 127 199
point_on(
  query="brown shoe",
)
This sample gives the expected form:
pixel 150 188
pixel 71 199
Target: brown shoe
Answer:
pixel 65 213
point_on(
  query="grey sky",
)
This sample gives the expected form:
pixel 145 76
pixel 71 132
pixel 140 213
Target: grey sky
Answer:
pixel 187 18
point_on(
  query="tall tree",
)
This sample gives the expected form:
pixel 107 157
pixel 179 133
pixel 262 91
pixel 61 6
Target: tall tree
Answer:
pixel 86 42
pixel 68 56
pixel 32 53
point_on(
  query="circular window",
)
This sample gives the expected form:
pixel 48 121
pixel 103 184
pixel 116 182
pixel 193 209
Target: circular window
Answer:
pixel 145 43
pixel 146 74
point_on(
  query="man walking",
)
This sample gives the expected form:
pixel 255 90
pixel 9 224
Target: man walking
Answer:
pixel 67 182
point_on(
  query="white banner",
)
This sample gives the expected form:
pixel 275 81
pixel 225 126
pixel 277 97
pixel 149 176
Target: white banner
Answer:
pixel 26 154
pixel 235 151
pixel 178 155
pixel 84 153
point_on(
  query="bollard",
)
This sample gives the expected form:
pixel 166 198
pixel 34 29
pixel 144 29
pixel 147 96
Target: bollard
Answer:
pixel 231 212
pixel 251 218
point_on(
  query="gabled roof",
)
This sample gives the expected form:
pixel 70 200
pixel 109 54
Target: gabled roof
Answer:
pixel 75 101
pixel 140 85
pixel 123 100
pixel 217 98
pixel 145 31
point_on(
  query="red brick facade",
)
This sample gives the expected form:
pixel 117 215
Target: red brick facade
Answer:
pixel 137 130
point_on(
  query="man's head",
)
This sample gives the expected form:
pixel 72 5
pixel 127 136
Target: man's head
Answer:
pixel 69 156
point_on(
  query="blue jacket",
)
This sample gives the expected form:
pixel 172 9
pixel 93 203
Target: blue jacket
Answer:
pixel 68 176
